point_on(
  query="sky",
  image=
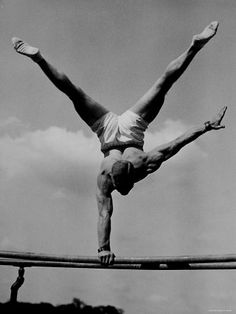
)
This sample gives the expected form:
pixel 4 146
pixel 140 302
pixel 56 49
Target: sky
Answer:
pixel 49 159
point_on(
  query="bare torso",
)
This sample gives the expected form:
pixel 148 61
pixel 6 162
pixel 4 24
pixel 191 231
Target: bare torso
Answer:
pixel 136 156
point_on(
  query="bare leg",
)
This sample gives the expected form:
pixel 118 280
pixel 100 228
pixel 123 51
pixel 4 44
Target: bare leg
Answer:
pixel 150 104
pixel 88 109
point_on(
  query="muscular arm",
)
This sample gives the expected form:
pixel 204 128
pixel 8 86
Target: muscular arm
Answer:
pixel 166 151
pixel 105 209
pixel 170 149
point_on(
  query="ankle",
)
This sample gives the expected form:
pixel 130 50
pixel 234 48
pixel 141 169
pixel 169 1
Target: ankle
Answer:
pixel 37 57
pixel 194 47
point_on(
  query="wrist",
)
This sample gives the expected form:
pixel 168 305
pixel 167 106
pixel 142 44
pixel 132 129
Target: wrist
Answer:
pixel 104 248
pixel 208 126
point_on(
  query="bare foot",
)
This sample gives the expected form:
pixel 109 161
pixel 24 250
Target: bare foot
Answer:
pixel 25 49
pixel 201 39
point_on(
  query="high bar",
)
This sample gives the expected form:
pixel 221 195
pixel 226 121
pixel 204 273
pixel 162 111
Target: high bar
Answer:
pixel 188 259
pixel 154 266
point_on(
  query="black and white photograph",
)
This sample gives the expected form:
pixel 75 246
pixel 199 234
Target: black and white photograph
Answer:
pixel 117 156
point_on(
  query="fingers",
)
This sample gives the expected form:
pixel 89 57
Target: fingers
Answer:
pixel 222 112
pixel 219 127
pixel 221 116
pixel 107 259
pixel 215 122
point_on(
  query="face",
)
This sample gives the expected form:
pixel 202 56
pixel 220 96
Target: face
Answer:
pixel 124 189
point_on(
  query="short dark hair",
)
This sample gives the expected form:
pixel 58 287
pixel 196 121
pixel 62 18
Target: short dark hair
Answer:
pixel 122 173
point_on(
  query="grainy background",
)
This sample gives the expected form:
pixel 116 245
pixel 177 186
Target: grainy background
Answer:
pixel 115 50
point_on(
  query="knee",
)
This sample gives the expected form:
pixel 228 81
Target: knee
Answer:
pixel 165 82
pixel 161 87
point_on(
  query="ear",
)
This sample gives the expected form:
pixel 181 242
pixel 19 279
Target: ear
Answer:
pixel 130 168
pixel 113 181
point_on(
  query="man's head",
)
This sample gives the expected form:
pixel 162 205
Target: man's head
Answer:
pixel 122 174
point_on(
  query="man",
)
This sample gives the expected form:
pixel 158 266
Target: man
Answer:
pixel 121 137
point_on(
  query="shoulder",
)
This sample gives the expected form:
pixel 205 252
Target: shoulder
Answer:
pixel 153 161
pixel 104 183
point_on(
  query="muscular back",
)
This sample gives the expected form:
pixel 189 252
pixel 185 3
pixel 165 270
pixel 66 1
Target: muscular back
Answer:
pixel 140 160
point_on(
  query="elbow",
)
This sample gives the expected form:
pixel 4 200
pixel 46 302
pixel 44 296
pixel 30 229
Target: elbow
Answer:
pixel 105 213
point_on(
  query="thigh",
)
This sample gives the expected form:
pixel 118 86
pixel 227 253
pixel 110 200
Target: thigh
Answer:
pixel 149 105
pixel 87 108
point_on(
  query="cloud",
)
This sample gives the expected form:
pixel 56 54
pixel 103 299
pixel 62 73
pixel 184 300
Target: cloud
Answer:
pixel 170 130
pixel 12 126
pixel 53 156
pixel 59 194
pixel 67 160
pixel 156 298
pixel 48 148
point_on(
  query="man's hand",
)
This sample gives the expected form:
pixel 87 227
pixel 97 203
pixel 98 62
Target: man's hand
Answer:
pixel 215 122
pixel 106 257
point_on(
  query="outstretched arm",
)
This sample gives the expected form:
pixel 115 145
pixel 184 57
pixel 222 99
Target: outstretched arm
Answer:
pixel 166 151
pixel 105 209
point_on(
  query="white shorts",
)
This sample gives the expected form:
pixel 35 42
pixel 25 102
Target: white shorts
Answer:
pixel 121 131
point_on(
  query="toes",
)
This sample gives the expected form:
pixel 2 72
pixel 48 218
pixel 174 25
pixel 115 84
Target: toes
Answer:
pixel 214 25
pixel 15 40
